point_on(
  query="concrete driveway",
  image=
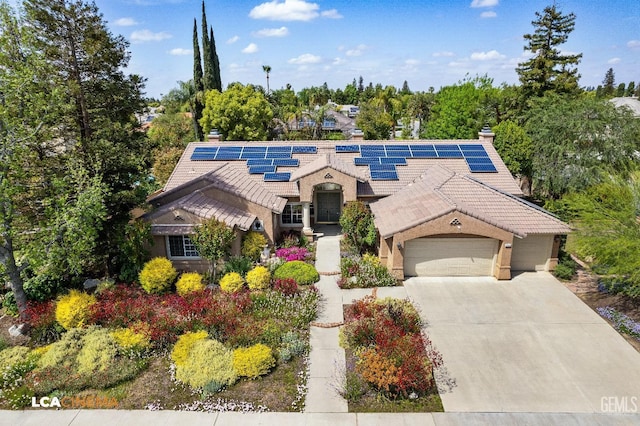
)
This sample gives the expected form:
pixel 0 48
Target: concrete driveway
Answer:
pixel 525 345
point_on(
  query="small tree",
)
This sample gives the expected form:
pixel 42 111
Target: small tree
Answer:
pixel 357 225
pixel 213 240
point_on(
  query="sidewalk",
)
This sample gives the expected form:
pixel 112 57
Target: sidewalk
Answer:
pixel 327 358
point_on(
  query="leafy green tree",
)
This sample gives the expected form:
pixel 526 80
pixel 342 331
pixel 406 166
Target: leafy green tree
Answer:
pixel 358 227
pixel 549 70
pixel 577 141
pixel 171 130
pixel 164 162
pixel 97 122
pixel 213 240
pixel 374 121
pixel 607 232
pixel 608 83
pixel 239 113
pixel 516 150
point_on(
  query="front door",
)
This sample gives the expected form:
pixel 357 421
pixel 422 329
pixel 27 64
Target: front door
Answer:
pixel 328 209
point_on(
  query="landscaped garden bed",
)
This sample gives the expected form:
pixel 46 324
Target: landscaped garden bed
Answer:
pixel 240 346
pixel 390 361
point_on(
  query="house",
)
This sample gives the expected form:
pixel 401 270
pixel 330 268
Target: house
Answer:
pixel 441 207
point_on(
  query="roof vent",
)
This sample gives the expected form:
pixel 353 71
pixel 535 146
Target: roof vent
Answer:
pixel 455 222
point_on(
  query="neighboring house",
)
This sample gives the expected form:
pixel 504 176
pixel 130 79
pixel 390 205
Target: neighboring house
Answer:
pixel 333 122
pixel 628 102
pixel 442 207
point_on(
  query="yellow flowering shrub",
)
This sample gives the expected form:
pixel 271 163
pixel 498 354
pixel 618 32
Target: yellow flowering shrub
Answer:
pixel 157 275
pixel 209 361
pixel 65 350
pixel 131 340
pixel 254 361
pixel 376 369
pixel 231 282
pixel 11 356
pixel 258 278
pixel 189 282
pixel 38 352
pixel 183 346
pixel 252 245
pixel 72 309
pixel 99 350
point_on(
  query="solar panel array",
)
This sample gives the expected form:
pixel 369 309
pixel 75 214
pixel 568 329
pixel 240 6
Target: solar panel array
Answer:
pixel 262 160
pixel 383 159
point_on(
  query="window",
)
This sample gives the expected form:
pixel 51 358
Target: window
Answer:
pixel 292 214
pixel 181 246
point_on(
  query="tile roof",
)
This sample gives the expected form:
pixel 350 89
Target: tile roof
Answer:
pixel 330 160
pixel 440 191
pixel 199 204
pixel 188 170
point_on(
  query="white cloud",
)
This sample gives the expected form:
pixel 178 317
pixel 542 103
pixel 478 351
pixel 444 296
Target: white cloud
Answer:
pixel 125 22
pixel 289 10
pixel 412 62
pixel 142 36
pixel 306 58
pixel 251 48
pixel 488 14
pixel 633 44
pixel 484 3
pixel 443 54
pixel 339 61
pixel 272 32
pixel 613 61
pixel 180 52
pixel 331 14
pixel 233 39
pixel 491 55
pixel 357 51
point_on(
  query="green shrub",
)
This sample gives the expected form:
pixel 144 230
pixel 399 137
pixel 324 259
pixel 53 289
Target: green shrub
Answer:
pixel 357 225
pixel 184 345
pixel 64 351
pixel 239 264
pixel 189 282
pixel 99 350
pixel 291 346
pixel 209 361
pixel 74 309
pixel 564 272
pixel 252 245
pixel 301 272
pixel 9 304
pixel 364 272
pixel 254 361
pixel 231 282
pixel 12 356
pixel 258 278
pixel 157 275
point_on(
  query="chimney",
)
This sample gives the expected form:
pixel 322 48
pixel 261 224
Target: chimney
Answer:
pixel 213 136
pixel 357 135
pixel 486 134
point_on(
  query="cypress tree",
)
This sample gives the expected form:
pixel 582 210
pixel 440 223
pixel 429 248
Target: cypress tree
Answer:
pixel 217 80
pixel 198 85
pixel 608 82
pixel 209 81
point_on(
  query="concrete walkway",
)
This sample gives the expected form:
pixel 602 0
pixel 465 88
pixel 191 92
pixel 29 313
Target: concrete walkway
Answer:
pixel 327 358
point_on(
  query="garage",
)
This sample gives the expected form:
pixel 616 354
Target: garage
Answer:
pixel 531 253
pixel 450 257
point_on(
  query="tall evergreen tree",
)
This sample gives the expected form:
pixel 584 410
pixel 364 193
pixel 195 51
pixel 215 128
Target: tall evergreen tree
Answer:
pixel 209 79
pixel 608 83
pixel 549 70
pixel 631 88
pixel 217 80
pixel 198 85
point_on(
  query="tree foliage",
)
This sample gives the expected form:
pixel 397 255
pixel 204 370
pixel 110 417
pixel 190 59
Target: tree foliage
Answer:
pixel 357 225
pixel 374 121
pixel 516 150
pixel 239 113
pixel 578 140
pixel 213 240
pixel 549 70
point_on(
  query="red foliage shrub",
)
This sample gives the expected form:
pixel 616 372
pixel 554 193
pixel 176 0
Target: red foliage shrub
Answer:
pixel 286 286
pixel 41 314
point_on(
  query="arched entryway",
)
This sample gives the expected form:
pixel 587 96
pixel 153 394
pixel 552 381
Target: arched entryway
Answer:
pixel 328 199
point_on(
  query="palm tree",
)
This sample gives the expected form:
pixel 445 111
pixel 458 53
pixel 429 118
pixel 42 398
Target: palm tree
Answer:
pixel 267 70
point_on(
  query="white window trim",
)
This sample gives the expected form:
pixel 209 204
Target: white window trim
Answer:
pixel 168 248
pixel 294 225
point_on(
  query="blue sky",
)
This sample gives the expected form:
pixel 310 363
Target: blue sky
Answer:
pixel 309 42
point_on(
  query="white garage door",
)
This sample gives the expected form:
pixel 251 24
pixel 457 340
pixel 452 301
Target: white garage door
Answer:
pixel 450 257
pixel 531 253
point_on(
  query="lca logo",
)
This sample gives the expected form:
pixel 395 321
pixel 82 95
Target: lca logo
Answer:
pixel 45 402
pixel 89 401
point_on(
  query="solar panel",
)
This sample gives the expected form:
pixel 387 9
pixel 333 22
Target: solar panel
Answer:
pixel 482 168
pixel 203 157
pixel 229 153
pixel 386 175
pixel 365 161
pixel 277 177
pixel 372 151
pixel 424 154
pixel 348 148
pixel 260 162
pixel 286 162
pixel 257 170
pixel 422 147
pixel 447 147
pixel 254 149
pixel 471 147
pixel 401 161
pixel 448 151
pixel 478 160
pixel 247 155
pixel 205 149
pixel 278 149
pixel 278 154
pixel 382 167
pixel 302 149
